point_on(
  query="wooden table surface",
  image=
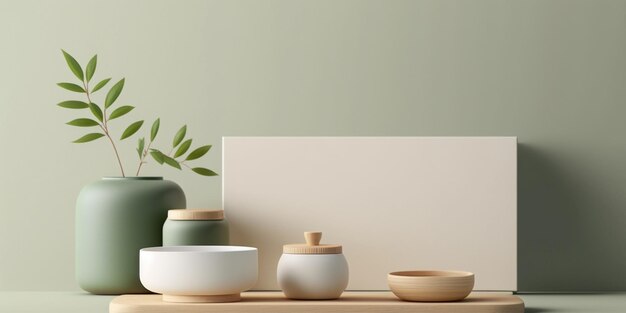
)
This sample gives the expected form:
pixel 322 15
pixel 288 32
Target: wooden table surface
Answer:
pixel 350 302
pixel 79 302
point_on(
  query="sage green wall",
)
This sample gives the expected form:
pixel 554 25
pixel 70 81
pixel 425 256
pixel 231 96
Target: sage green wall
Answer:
pixel 551 72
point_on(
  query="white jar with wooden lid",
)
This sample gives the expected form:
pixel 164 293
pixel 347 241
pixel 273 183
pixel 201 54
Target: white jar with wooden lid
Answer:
pixel 312 271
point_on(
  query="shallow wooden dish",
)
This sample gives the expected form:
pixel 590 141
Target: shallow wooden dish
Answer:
pixel 431 286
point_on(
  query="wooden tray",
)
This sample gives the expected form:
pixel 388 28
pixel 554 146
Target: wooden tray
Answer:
pixel 357 302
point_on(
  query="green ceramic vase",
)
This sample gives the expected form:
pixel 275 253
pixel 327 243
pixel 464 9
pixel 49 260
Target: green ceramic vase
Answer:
pixel 115 217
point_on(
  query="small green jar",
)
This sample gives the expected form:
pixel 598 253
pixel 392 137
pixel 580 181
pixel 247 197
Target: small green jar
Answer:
pixel 189 227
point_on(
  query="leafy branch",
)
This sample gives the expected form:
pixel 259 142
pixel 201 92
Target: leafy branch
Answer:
pixel 102 119
pixel 175 157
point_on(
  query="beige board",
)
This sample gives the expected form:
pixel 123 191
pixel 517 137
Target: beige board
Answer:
pixel 393 203
pixel 357 302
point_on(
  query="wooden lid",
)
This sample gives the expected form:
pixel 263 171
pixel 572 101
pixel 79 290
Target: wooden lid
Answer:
pixel 312 245
pixel 194 214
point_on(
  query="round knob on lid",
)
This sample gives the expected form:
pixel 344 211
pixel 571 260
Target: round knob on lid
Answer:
pixel 312 245
pixel 313 238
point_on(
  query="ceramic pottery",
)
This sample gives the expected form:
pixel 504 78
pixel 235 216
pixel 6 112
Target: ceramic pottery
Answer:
pixel 189 227
pixel 115 218
pixel 199 273
pixel 312 271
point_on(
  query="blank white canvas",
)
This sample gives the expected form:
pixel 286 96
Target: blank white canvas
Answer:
pixel 394 203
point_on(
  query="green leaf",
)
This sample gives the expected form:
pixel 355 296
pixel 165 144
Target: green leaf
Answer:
pixel 88 137
pixel 180 135
pixel 100 84
pixel 183 148
pixel 72 104
pixel 131 129
pixel 96 111
pixel 157 155
pixel 113 93
pixel 83 122
pixel 71 87
pixel 204 171
pixel 120 111
pixel 171 162
pixel 91 67
pixel 155 129
pixel 199 152
pixel 140 145
pixel 73 65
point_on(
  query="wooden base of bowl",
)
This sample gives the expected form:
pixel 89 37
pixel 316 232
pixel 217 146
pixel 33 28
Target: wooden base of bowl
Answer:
pixel 203 299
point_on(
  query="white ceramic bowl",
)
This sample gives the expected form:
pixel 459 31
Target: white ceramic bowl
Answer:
pixel 198 273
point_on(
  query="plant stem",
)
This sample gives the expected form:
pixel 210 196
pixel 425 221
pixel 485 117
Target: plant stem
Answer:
pixel 105 128
pixel 119 161
pixel 139 167
pixel 143 157
pixel 185 164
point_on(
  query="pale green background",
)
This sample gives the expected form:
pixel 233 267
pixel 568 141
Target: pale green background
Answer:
pixel 551 72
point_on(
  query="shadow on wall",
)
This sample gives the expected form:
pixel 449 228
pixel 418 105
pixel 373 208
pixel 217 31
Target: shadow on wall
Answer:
pixel 562 243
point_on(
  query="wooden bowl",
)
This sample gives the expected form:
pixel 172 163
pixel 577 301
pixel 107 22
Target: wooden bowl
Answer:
pixel 431 286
